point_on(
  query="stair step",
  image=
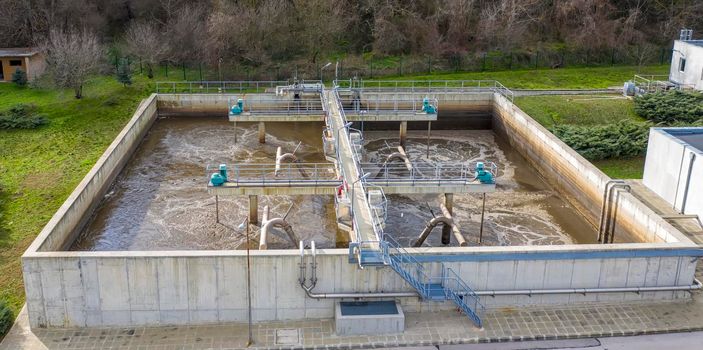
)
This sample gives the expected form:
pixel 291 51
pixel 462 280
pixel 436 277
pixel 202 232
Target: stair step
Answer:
pixel 435 291
pixel 372 258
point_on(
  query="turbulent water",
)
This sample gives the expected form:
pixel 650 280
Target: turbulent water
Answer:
pixel 523 211
pixel 160 202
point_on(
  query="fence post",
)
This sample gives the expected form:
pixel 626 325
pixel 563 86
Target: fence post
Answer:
pixel 612 57
pixel 483 65
pixel 661 60
pixel 183 65
pixel 587 54
pixel 429 65
pixel 200 70
pixel 166 69
pixel 536 59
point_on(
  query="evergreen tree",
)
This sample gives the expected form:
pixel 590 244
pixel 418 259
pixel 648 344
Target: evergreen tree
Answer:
pixel 19 77
pixel 124 73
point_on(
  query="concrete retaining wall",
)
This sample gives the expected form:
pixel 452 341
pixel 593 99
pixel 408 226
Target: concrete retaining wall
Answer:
pixel 143 288
pixel 77 209
pixel 577 179
pixel 77 289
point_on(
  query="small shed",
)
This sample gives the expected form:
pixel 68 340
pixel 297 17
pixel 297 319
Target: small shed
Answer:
pixel 28 59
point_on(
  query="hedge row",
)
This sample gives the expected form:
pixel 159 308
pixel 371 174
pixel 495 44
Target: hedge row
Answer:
pixel 623 139
pixel 670 107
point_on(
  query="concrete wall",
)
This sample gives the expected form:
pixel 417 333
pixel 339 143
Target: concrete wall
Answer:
pixel 60 231
pixel 666 169
pixel 160 288
pixel 692 76
pixel 579 181
pixel 176 287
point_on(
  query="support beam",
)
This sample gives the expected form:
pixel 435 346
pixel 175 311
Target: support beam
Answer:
pixel 403 133
pixel 447 229
pixel 253 209
pixel 262 132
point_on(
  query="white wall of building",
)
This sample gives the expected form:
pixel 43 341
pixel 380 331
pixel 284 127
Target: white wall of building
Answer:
pixel 692 52
pixel 666 170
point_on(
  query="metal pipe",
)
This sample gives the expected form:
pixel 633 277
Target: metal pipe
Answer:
pixel 493 293
pixel 430 225
pixel 277 222
pixel 688 182
pixel 456 230
pixel 604 206
pixel 609 229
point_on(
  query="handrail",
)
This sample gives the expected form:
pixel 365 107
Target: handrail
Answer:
pixel 428 86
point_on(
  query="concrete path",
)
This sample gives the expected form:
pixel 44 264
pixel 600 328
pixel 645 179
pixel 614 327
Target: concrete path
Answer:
pixel 425 329
pixel 678 341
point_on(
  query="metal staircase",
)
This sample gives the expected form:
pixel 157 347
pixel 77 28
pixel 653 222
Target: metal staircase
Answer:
pixel 447 286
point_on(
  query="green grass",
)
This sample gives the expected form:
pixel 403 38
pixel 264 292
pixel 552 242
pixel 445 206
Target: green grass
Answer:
pixel 587 110
pixel 39 168
pixel 627 168
pixel 562 78
pixel 577 109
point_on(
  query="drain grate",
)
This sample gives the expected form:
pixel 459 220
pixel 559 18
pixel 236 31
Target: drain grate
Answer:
pixel 288 336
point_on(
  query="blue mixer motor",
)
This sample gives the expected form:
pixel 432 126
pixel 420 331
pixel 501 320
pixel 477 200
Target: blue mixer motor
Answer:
pixel 238 108
pixel 427 107
pixel 483 175
pixel 219 178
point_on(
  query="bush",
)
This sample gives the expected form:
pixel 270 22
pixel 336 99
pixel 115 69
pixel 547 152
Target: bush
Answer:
pixel 624 139
pixel 19 77
pixel 670 107
pixel 6 318
pixel 22 116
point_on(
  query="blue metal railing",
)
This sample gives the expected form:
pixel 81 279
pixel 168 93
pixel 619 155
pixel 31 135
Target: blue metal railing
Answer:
pixel 447 286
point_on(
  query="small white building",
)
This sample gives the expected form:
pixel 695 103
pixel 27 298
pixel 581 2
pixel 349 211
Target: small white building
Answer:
pixel 687 62
pixel 673 168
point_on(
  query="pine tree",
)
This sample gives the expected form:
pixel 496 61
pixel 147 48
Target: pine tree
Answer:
pixel 19 77
pixel 124 73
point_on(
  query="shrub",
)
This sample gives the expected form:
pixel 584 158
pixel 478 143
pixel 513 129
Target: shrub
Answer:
pixel 19 77
pixel 624 139
pixel 22 116
pixel 6 318
pixel 670 107
pixel 124 73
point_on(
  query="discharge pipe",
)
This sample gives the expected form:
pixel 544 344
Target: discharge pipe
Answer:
pixel 430 225
pixel 267 225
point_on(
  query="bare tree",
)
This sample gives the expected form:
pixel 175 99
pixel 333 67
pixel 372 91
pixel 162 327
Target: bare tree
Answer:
pixel 144 40
pixel 72 56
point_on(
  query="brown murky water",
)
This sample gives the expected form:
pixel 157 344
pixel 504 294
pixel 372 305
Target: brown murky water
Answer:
pixel 160 202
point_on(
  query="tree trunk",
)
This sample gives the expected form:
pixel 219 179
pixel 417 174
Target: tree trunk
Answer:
pixel 79 91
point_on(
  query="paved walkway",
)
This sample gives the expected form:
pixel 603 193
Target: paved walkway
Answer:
pixel 433 328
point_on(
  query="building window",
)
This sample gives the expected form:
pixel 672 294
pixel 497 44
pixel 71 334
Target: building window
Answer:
pixel 682 64
pixel 15 63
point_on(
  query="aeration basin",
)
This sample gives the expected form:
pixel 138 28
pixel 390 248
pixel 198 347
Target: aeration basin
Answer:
pixel 141 241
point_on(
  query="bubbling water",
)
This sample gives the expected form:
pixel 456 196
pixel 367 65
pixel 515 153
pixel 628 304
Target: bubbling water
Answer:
pixel 522 211
pixel 160 202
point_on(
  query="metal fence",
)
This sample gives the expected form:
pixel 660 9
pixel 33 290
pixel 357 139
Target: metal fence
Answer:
pixel 207 87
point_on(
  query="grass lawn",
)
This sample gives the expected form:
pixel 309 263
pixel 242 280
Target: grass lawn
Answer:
pixel 587 110
pixel 577 109
pixel 562 78
pixel 627 168
pixel 39 168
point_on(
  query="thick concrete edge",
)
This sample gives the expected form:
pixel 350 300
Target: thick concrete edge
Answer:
pixel 594 175
pixel 50 227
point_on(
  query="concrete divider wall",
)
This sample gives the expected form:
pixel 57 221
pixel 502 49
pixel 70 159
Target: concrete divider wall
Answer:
pixel 164 288
pixel 577 179
pixel 76 210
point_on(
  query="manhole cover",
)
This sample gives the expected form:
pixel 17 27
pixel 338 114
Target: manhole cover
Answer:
pixel 287 336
